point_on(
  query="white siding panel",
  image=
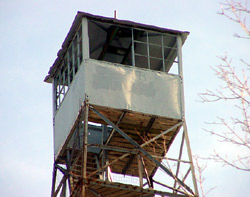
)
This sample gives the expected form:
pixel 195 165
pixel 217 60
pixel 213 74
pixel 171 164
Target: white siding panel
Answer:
pixel 118 87
pixel 68 111
pixel 135 89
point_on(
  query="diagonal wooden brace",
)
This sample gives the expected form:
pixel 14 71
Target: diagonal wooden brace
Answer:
pixel 137 146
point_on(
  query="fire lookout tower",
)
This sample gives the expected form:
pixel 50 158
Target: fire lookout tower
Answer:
pixel 118 108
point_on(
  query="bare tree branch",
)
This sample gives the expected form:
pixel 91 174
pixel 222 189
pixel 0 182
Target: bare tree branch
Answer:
pixel 236 11
pixel 236 92
pixel 200 179
pixel 218 158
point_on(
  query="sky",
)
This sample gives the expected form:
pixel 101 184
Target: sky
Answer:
pixel 31 33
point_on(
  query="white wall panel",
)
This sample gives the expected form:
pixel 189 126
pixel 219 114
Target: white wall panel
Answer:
pixel 68 111
pixel 135 89
pixel 119 87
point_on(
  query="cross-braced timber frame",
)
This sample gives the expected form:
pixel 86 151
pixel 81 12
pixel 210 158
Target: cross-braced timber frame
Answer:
pixel 129 148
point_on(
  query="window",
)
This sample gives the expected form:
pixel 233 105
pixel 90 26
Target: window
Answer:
pixel 68 68
pixel 132 46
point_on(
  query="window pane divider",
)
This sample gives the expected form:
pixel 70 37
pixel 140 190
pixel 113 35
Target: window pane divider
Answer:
pixel 137 54
pixel 163 54
pixel 148 51
pixel 140 42
pixel 133 49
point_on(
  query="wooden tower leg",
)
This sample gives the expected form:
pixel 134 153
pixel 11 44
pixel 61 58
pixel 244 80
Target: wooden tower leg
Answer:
pixel 140 170
pixel 53 180
pixel 190 158
pixel 85 146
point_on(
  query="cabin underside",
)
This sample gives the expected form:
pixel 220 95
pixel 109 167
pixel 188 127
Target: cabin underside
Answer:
pixel 138 127
pixel 124 143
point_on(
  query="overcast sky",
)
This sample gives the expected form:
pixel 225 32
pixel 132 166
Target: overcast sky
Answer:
pixel 31 33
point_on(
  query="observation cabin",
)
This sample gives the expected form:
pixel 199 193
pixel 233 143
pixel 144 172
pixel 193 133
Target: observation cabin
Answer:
pixel 118 105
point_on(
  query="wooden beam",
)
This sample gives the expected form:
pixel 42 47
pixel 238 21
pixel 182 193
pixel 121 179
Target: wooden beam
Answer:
pixel 53 180
pixel 174 189
pixel 117 123
pixel 142 145
pixel 68 162
pixel 184 178
pixel 112 148
pixel 85 145
pixel 133 189
pixel 63 192
pixel 177 129
pixel 142 150
pixel 180 155
pixel 146 172
pixel 190 158
pixel 60 184
pixel 140 170
pixel 110 37
pixel 149 126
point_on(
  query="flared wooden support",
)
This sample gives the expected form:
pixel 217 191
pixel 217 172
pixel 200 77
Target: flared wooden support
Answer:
pixel 84 165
